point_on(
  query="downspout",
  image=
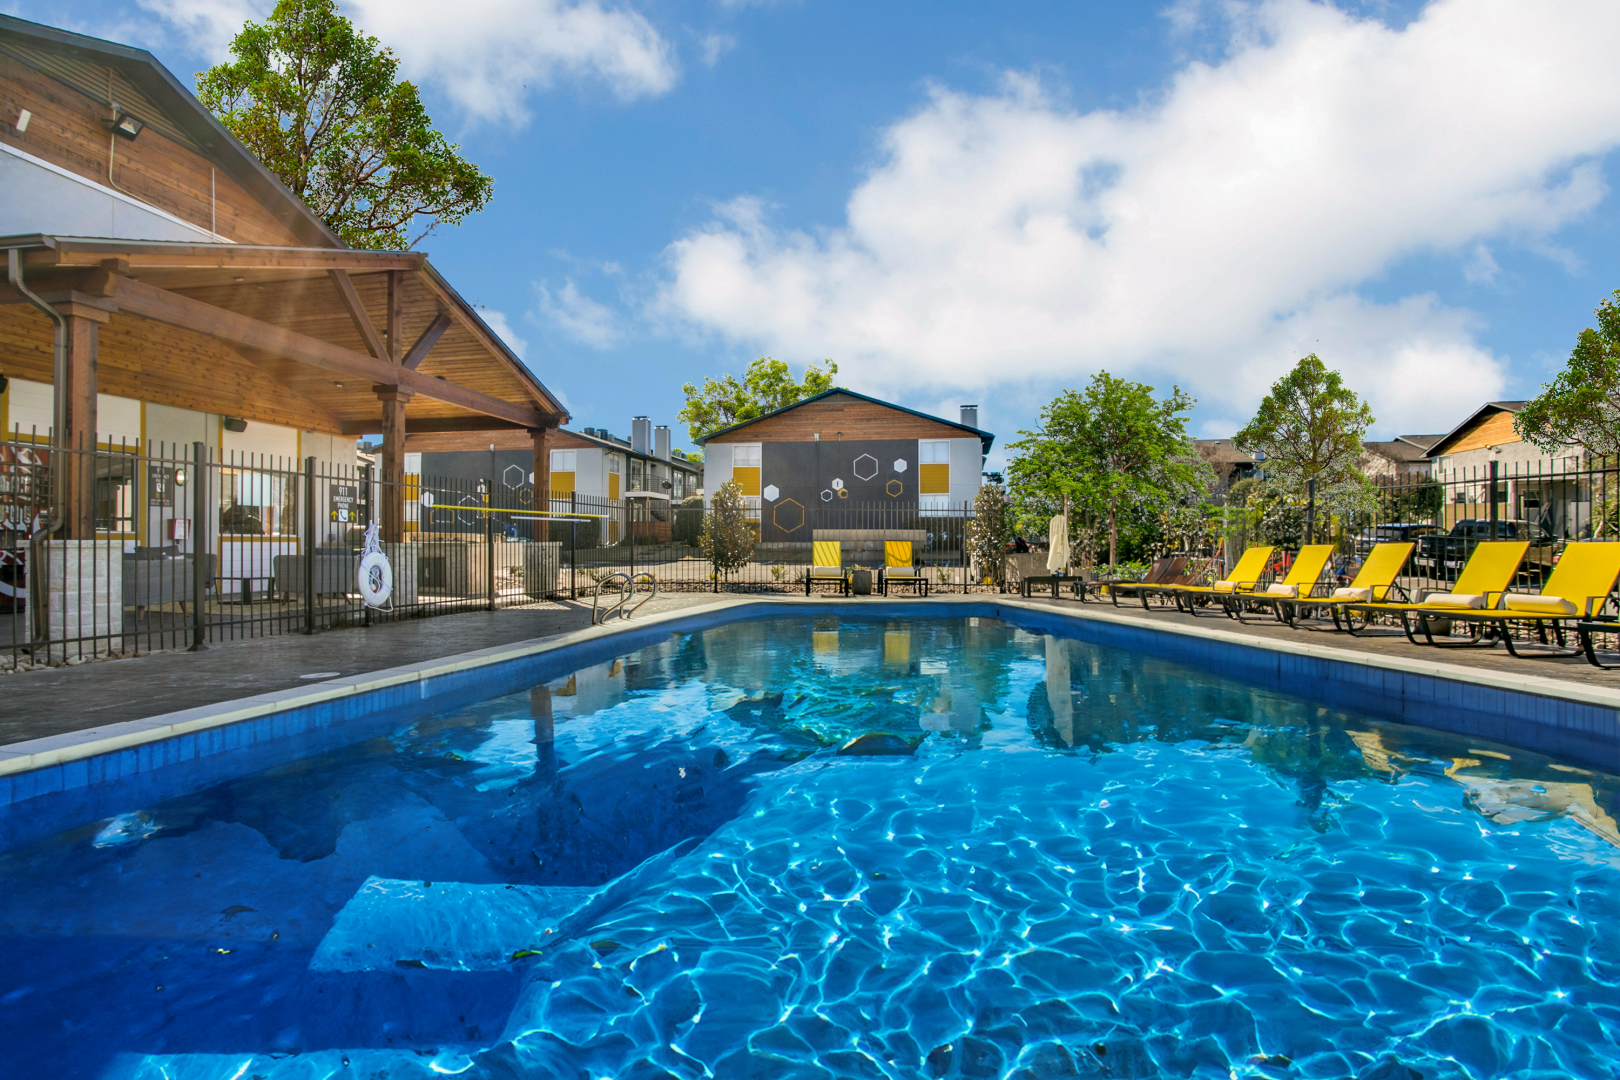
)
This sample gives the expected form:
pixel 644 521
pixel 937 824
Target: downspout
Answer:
pixel 37 586
pixel 14 273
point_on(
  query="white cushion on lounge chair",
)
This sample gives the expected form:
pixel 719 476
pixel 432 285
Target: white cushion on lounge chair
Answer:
pixel 1352 594
pixel 1224 586
pixel 900 571
pixel 827 571
pixel 1279 589
pixel 1545 605
pixel 1453 600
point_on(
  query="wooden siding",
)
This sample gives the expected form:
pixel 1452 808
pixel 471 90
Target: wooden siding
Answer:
pixel 167 366
pixel 67 131
pixel 858 421
pixel 1493 430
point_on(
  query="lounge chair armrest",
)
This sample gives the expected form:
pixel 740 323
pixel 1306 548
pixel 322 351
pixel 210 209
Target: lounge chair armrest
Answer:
pixel 1492 605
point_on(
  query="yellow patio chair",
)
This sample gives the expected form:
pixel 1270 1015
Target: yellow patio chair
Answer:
pixel 1302 580
pixel 898 568
pixel 1481 586
pixel 827 564
pixel 1576 590
pixel 1244 579
pixel 1376 581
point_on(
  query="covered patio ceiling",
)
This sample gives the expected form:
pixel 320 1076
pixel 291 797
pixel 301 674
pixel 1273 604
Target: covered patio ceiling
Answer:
pixel 302 337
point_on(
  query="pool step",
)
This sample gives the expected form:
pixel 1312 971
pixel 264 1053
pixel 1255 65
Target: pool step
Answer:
pixel 454 926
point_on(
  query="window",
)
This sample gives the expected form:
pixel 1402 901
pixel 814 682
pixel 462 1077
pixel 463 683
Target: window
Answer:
pixel 564 460
pixel 563 473
pixel 745 469
pixel 637 475
pixel 257 504
pixel 934 467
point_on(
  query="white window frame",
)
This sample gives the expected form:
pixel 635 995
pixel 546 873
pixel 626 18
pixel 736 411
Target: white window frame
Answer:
pixel 564 461
pixel 746 455
pixel 934 452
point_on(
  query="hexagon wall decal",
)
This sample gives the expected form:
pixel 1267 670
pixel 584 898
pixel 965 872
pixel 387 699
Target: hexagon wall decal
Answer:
pixel 513 476
pixel 826 496
pixel 772 493
pixel 525 496
pixel 899 464
pixel 788 515
pixel 838 485
pixel 865 467
pixel 843 493
pixel 895 489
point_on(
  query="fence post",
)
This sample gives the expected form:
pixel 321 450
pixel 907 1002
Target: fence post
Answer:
pixel 310 518
pixel 573 546
pixel 1491 495
pixel 199 546
pixel 489 533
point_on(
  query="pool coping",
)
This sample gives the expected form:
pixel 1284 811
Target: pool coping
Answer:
pixel 33 754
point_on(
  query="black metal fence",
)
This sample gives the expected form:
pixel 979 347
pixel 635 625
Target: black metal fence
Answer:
pixel 186 547
pixel 1549 502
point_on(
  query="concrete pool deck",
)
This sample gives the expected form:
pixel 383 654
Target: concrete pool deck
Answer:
pixel 225 695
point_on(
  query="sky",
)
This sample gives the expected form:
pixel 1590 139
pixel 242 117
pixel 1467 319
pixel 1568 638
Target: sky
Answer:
pixel 988 203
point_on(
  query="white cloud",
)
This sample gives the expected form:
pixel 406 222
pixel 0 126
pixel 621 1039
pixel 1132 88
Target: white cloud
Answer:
pixel 713 46
pixel 1210 236
pixel 497 322
pixel 488 56
pixel 578 316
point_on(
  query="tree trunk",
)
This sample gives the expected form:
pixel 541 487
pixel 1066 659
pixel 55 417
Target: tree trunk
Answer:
pixel 1113 542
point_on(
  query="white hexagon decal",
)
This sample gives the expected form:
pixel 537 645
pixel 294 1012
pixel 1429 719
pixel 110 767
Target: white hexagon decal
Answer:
pixel 512 477
pixel 899 464
pixel 838 485
pixel 826 496
pixel 865 467
pixel 771 492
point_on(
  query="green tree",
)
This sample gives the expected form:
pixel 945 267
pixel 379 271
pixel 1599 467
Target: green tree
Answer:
pixel 727 539
pixel 1311 427
pixel 990 529
pixel 766 386
pixel 321 105
pixel 1111 448
pixel 1582 405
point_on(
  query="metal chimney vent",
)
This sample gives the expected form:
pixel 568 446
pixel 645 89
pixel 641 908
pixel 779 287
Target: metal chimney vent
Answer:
pixel 970 416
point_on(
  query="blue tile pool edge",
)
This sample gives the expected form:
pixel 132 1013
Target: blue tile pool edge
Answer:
pixel 52 783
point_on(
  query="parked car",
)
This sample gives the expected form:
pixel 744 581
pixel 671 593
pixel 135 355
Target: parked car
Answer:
pixel 1445 554
pixel 1399 532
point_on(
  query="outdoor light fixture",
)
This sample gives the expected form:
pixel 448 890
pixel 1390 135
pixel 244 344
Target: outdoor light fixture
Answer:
pixel 23 116
pixel 234 423
pixel 180 477
pixel 126 125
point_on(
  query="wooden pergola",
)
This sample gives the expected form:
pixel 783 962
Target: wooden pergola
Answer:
pixel 336 341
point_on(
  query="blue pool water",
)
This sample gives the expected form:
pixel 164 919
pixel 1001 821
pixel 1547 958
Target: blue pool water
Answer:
pixel 789 847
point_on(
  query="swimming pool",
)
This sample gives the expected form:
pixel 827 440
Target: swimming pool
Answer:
pixel 841 846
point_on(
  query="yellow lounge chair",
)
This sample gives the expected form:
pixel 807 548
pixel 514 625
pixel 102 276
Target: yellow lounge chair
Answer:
pixel 1244 578
pixel 898 568
pixel 1300 583
pixel 1577 589
pixel 1375 581
pixel 827 564
pixel 1480 587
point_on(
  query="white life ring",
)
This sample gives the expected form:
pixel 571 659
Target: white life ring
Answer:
pixel 375 579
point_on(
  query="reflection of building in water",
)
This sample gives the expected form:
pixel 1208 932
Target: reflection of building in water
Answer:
pixel 589 690
pixel 897 648
pixel 1506 800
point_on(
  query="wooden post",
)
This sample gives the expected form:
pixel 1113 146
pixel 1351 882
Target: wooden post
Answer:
pixel 543 438
pixel 76 418
pixel 392 487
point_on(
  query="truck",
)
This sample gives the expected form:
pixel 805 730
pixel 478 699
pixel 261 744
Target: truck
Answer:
pixel 1444 554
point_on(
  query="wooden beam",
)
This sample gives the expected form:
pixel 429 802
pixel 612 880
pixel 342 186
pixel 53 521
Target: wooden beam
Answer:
pixel 396 316
pixel 433 425
pixel 160 305
pixel 155 256
pixel 357 313
pixel 424 344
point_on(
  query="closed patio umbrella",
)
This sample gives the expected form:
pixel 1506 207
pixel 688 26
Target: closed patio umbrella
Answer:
pixel 1057 539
